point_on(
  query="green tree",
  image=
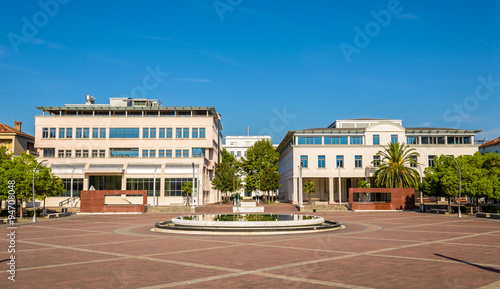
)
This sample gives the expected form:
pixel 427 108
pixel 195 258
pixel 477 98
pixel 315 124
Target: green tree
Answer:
pixel 310 188
pixel 270 182
pixel 226 177
pixel 261 166
pixel 394 171
pixel 363 184
pixel 187 187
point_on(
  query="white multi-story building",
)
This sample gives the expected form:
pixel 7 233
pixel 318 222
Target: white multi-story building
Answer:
pixel 347 148
pixel 131 144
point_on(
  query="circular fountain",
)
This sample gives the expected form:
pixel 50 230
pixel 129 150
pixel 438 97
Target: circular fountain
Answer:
pixel 246 224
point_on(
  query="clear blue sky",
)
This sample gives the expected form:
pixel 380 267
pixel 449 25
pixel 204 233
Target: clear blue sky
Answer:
pixel 271 65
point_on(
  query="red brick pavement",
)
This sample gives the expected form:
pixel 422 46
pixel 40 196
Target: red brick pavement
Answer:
pixel 376 250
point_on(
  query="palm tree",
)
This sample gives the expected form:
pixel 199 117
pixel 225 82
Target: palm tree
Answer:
pixel 188 188
pixel 393 171
pixel 310 188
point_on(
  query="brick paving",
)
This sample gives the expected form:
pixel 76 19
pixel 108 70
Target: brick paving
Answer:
pixel 375 250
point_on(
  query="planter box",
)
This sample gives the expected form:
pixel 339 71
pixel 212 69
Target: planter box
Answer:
pixel 495 216
pixel 483 215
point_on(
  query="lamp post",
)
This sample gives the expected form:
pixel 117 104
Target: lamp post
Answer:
pixel 33 186
pixel 192 190
pixel 421 200
pixel 459 185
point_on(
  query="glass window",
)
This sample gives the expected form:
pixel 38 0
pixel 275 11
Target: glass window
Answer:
pixel 69 133
pixel 161 153
pixel 178 153
pixel 152 153
pixel 467 140
pixel 152 133
pixel 68 153
pixel 86 132
pixel 168 153
pixel 78 153
pixel 145 132
pixel 124 152
pixel 310 140
pixel 60 153
pixel 124 132
pixel 412 139
pixel 94 153
pixel 178 132
pixel 440 140
pixel 431 161
pixel 185 153
pixel 356 140
pixel 195 133
pixel 358 161
pixel 340 161
pixel 45 132
pixel 102 153
pixel 145 153
pixel 102 132
pixel 376 161
pixel 52 133
pixel 85 153
pixel 202 132
pixel 95 132
pixel 169 132
pixel 79 132
pixel 144 184
pixel 161 133
pixel 415 161
pixel 77 187
pixel 321 161
pixel 376 139
pixel 173 187
pixel 185 132
pixel 238 153
pixel 61 132
pixel 198 152
pixel 394 138
pixel 303 161
pixel 336 140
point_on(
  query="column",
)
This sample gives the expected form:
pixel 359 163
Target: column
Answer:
pixel 295 196
pixel 331 199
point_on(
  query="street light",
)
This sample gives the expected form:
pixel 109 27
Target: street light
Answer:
pixel 33 186
pixel 258 175
pixel 421 200
pixel 459 185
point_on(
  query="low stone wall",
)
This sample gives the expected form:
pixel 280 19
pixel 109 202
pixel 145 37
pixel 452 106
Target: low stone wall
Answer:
pixel 323 208
pixel 169 209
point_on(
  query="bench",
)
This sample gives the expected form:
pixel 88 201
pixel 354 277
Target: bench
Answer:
pixel 483 215
pixel 438 211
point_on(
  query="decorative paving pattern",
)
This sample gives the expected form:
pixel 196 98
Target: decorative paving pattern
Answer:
pixel 376 250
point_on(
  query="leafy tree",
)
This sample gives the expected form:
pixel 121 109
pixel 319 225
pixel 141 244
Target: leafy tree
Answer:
pixel 393 171
pixel 226 175
pixel 363 184
pixel 188 188
pixel 20 169
pixel 261 164
pixel 310 188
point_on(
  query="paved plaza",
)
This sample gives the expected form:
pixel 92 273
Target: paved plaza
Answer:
pixel 375 250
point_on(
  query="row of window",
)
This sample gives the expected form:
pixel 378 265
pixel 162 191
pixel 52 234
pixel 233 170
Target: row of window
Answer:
pixel 123 132
pixel 344 140
pixel 124 153
pixel 358 161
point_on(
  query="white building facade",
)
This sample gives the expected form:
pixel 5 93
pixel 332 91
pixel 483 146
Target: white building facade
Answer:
pixel 346 149
pixel 131 144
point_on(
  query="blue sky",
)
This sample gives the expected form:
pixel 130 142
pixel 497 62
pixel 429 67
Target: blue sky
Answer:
pixel 271 65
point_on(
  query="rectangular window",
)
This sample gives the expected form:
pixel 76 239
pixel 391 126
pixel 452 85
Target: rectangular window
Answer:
pixel 185 153
pixel 144 184
pixel 45 132
pixel 412 140
pixel 202 132
pixel 415 161
pixel 62 133
pixel 77 187
pixel 145 153
pixel 178 133
pixel 68 153
pixel 79 132
pixel 376 139
pixel 145 132
pixel 467 140
pixel 152 153
pixel 78 153
pixel 60 153
pixel 168 153
pixel 357 140
pixel 185 133
pixel 376 161
pixel 178 153
pixel 102 153
pixel 173 187
pixel 95 132
pixel 195 133
pixel 238 153
pixel 321 161
pixel 303 161
pixel 394 138
pixel 358 161
pixel 69 133
pixel 52 133
pixel 161 133
pixel 431 161
pixel 85 153
pixel 124 153
pixel 95 153
pixel 161 153
pixel 336 140
pixel 124 132
pixel 86 132
pixel 340 161
pixel 152 133
pixel 102 132
pixel 310 140
pixel 198 152
pixel 169 132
